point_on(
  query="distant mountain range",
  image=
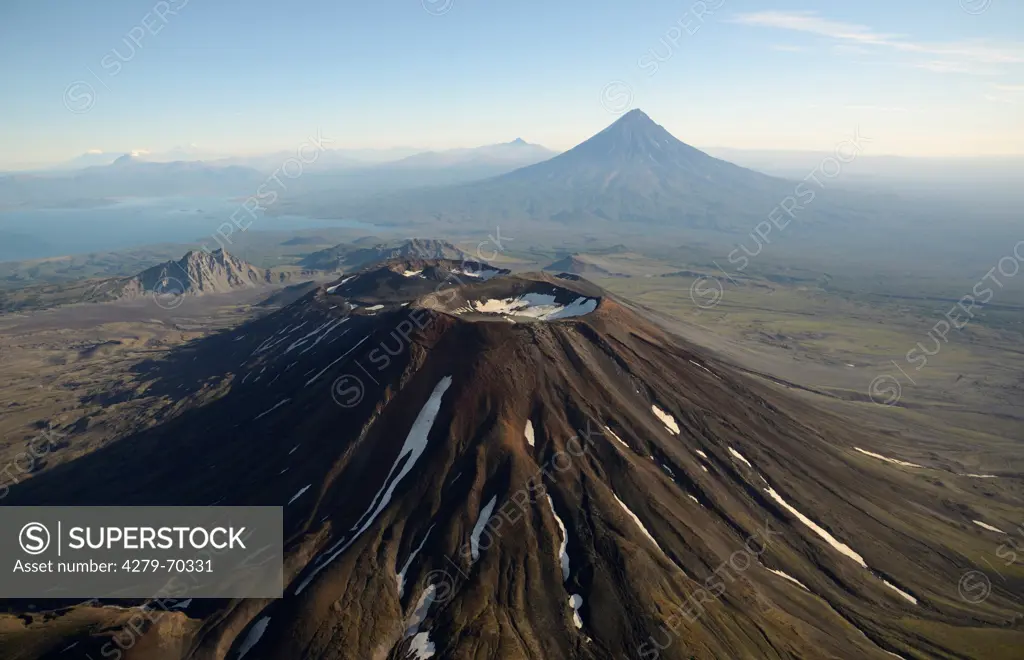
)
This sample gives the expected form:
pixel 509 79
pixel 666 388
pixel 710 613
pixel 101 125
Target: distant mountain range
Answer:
pixel 193 153
pixel 514 154
pixel 128 176
pixel 94 178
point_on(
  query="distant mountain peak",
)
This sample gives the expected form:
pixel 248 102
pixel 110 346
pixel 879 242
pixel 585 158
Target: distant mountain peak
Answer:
pixel 637 122
pixel 634 170
pixel 219 255
pixel 196 273
pixel 635 115
pixel 519 142
pixel 634 142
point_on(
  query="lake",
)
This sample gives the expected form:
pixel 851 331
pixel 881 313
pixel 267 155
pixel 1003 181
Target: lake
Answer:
pixel 39 233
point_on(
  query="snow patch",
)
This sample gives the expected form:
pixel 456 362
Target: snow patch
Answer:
pixel 668 420
pixel 478 529
pixel 617 438
pixel 419 615
pixel 299 494
pixel 421 647
pixel 562 554
pixel 636 520
pixel 413 273
pixel 697 364
pixel 887 459
pixel 540 306
pixel 900 591
pixel 987 526
pixel 415 445
pixel 529 433
pixel 336 286
pixel 482 274
pixel 374 308
pixel 408 562
pixel 323 336
pixel 740 457
pixel 344 355
pixel 814 527
pixel 576 602
pixel 790 578
pixel 702 454
pixel 267 412
pixel 302 340
pixel 255 633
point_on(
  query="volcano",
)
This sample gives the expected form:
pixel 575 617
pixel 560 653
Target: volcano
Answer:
pixel 476 464
pixel 634 171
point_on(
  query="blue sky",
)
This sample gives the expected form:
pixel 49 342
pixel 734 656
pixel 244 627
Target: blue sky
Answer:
pixel 919 77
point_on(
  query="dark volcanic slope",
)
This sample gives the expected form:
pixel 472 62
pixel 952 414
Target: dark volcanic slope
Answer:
pixel 525 467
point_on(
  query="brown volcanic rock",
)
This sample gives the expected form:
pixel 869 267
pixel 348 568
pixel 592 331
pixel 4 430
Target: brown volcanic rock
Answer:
pixel 197 273
pixel 660 463
pixel 350 258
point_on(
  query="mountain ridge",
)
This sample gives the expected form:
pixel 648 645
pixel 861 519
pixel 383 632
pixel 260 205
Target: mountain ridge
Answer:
pixel 353 257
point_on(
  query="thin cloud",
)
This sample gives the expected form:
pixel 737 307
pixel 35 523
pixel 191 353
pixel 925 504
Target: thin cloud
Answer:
pixel 938 66
pixel 786 48
pixel 850 49
pixel 1012 94
pixel 877 108
pixel 810 22
pixel 956 57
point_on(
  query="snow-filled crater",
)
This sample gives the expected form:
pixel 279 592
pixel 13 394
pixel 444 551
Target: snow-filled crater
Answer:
pixel 539 306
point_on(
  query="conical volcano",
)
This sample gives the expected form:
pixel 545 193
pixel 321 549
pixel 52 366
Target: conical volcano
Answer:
pixel 636 142
pixel 475 464
pixel 633 171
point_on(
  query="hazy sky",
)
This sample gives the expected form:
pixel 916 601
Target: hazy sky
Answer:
pixel 919 77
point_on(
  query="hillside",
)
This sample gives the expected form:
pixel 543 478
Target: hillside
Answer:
pixel 474 464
